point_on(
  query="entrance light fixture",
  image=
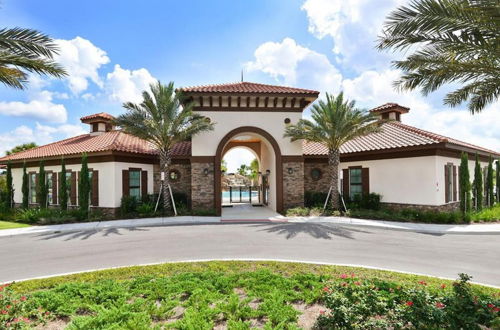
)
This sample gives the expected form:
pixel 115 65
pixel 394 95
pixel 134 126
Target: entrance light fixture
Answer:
pixel 205 171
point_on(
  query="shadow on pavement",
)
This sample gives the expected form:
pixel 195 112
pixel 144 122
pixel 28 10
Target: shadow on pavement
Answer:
pixel 83 235
pixel 318 231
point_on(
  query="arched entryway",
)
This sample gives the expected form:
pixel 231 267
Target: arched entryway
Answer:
pixel 276 173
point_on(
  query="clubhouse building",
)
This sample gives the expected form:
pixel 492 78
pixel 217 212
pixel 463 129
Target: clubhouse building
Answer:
pixel 408 166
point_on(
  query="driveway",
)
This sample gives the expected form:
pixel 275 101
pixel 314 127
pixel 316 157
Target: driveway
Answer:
pixel 45 254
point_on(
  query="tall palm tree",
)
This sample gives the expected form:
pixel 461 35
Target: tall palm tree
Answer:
pixel 451 41
pixel 163 118
pixel 335 121
pixel 23 51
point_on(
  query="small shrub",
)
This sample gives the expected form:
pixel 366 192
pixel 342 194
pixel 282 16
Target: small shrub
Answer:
pixel 146 209
pixel 128 205
pixel 314 199
pixel 204 212
pixel 297 212
pixel 366 201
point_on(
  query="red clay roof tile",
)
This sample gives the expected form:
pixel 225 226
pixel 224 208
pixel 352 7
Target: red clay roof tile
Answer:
pixel 247 87
pixel 101 115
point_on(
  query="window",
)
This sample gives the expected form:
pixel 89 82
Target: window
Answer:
pixel 316 174
pixel 135 183
pixel 355 183
pixel 48 181
pixel 174 175
pixel 68 185
pixel 32 188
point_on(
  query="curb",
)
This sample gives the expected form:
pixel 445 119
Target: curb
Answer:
pixel 474 229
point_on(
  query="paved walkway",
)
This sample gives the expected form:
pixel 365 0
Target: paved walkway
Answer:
pixel 58 252
pixel 247 213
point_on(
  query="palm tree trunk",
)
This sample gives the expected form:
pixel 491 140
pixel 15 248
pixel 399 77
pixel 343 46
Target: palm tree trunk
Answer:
pixel 164 166
pixel 333 162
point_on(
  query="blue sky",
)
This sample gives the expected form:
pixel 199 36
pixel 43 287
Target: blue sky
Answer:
pixel 114 49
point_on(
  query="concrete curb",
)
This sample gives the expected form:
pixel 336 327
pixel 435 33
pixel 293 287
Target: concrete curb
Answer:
pixel 482 229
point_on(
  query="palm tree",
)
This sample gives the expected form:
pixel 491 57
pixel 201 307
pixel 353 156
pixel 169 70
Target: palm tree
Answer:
pixel 26 50
pixel 163 118
pixel 451 41
pixel 335 121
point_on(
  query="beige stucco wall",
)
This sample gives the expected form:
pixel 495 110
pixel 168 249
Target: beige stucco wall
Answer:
pixel 205 144
pixel 268 162
pixel 110 180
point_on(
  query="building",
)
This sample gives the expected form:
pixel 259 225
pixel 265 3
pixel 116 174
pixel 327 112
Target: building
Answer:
pixel 408 166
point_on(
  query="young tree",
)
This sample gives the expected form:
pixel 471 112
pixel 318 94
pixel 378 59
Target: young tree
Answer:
pixel 478 185
pixel 464 183
pixel 84 186
pixel 335 122
pixel 163 118
pixel 25 188
pixel 10 187
pixel 490 198
pixel 447 41
pixel 41 189
pixel 63 187
pixel 23 51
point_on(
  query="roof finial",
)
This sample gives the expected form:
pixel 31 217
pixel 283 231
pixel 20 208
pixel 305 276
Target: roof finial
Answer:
pixel 241 75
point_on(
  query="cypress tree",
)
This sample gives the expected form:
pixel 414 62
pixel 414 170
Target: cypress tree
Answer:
pixel 10 188
pixel 84 185
pixel 464 184
pixel 25 188
pixel 489 184
pixel 63 187
pixel 478 185
pixel 41 191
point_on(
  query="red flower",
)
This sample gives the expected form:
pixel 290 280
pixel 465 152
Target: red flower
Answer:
pixel 4 312
pixel 352 275
pixel 357 283
pixel 409 303
pixel 491 305
pixel 439 305
pixel 8 306
pixel 326 289
pixel 47 313
pixel 23 298
pixel 443 286
pixel 343 276
pixel 422 282
pixel 322 312
pixel 496 309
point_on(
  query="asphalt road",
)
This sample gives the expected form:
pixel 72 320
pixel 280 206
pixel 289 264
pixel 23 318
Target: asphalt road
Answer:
pixel 36 255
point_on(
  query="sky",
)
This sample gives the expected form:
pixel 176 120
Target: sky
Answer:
pixel 112 51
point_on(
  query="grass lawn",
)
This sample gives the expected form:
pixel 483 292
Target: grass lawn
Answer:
pixel 235 295
pixel 10 225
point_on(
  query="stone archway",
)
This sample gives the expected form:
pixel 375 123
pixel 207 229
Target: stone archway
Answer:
pixel 278 164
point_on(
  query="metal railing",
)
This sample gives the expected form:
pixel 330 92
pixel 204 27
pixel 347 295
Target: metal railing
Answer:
pixel 242 194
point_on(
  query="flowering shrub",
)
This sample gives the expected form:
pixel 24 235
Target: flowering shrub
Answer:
pixel 357 304
pixel 17 311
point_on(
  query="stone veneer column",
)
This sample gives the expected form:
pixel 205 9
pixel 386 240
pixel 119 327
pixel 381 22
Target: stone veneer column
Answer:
pixel 182 185
pixel 202 186
pixel 293 185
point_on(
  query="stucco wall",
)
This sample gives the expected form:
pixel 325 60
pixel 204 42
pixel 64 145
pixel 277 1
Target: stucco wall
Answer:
pixel 205 144
pixel 268 162
pixel 110 180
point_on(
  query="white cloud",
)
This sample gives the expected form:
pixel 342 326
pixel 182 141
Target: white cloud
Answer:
pixel 39 107
pixel 81 59
pixel 40 135
pixel 236 157
pixel 296 65
pixel 353 26
pixel 127 85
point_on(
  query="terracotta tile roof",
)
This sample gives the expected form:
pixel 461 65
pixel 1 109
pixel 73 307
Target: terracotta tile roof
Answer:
pixel 387 106
pixel 247 87
pixel 393 135
pixel 101 115
pixel 109 141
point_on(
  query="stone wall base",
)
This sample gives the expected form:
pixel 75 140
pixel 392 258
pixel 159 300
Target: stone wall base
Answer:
pixel 293 185
pixel 202 186
pixel 442 208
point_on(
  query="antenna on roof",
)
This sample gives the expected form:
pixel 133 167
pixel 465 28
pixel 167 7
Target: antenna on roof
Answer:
pixel 241 75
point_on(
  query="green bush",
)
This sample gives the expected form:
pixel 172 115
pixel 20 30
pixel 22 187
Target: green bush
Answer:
pixel 146 209
pixel 297 212
pixel 366 201
pixel 369 304
pixel 411 215
pixel 487 215
pixel 314 199
pixel 203 212
pixel 128 205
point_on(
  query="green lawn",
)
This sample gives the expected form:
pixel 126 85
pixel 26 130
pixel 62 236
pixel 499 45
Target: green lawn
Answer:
pixel 232 294
pixel 10 225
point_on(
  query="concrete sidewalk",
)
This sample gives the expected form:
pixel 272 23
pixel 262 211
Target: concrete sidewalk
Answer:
pixel 193 220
